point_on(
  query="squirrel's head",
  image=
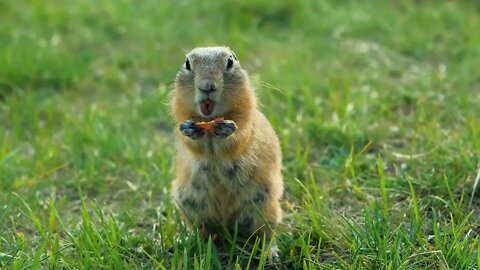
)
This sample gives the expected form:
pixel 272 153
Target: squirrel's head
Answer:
pixel 211 79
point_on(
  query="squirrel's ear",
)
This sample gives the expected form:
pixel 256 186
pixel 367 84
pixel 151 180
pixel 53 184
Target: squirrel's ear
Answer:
pixel 231 51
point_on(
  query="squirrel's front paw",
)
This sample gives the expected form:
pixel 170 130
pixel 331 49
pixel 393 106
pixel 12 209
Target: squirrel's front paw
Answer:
pixel 189 129
pixel 224 128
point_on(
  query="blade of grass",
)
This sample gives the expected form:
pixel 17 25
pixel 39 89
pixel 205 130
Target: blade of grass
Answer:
pixel 475 184
pixel 208 257
pixel 416 210
pixel 383 186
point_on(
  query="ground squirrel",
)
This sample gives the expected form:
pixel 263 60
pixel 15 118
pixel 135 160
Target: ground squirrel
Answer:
pixel 230 174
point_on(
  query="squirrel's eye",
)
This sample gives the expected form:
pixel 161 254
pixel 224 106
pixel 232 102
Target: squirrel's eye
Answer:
pixel 187 65
pixel 229 63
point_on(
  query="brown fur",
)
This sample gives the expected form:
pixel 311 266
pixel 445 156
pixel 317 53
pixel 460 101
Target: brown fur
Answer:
pixel 223 180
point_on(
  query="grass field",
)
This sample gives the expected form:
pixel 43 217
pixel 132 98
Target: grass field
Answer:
pixel 376 105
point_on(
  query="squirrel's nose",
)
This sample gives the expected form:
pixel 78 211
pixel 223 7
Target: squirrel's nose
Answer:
pixel 207 86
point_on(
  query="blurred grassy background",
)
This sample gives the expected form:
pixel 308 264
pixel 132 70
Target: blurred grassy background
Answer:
pixel 375 102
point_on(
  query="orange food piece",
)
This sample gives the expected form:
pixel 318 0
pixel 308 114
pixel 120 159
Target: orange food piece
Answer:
pixel 210 125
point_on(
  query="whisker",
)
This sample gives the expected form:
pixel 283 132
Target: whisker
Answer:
pixel 271 86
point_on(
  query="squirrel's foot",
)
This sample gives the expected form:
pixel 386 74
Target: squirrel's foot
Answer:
pixel 224 128
pixel 274 254
pixel 189 129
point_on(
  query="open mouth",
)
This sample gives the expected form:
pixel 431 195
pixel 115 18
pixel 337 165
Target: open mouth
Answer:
pixel 207 106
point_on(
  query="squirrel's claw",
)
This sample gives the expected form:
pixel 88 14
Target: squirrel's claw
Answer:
pixel 189 129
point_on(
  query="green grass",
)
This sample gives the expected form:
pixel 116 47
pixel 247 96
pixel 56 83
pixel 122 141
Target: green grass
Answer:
pixel 375 103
